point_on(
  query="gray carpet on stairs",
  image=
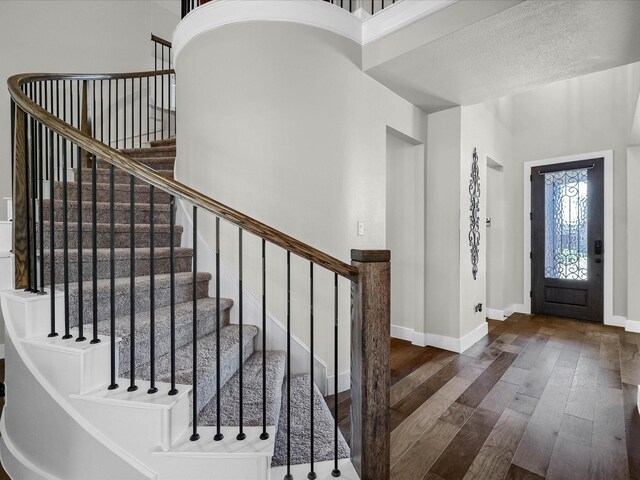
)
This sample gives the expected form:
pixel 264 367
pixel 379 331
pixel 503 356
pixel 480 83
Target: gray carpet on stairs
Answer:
pixel 323 444
pixel 252 393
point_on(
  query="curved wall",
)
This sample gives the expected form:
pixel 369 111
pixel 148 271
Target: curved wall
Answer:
pixel 278 121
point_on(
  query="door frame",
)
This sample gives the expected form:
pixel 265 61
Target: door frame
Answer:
pixel 609 318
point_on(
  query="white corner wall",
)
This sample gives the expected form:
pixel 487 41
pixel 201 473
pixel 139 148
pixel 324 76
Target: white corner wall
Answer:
pixel 278 121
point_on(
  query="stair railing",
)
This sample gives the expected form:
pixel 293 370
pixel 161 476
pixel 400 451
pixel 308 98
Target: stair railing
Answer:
pixel 51 113
pixel 371 6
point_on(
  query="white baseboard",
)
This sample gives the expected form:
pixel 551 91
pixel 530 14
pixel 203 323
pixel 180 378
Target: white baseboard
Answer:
pixel 516 308
pixel 344 383
pixel 2 350
pixel 494 314
pixel 403 333
pixel 452 344
pixel 616 321
pixel 633 326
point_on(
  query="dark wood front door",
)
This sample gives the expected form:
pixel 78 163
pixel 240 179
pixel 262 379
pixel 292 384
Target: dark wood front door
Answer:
pixel 567 239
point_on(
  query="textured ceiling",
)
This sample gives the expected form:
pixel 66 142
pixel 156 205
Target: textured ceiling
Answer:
pixel 528 45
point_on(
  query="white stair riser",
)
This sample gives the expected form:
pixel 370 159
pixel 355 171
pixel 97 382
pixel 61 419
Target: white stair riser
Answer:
pixel 7 269
pixel 230 468
pixel 72 370
pixel 9 202
pixel 6 228
pixel 36 312
pixel 136 427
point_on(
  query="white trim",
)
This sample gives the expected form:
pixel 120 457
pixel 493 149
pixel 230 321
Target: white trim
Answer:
pixel 608 226
pixel 344 383
pixel 618 321
pixel 495 314
pixel 403 333
pixel 1 347
pixel 516 308
pixel 632 326
pixel 14 461
pixel 314 13
pixel 452 344
pixel 398 16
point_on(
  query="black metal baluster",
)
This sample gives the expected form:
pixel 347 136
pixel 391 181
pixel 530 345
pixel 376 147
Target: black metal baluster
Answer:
pixel 140 112
pixel 117 133
pixel 169 103
pixel 288 476
pixel 152 291
pixel 81 336
pixel 172 268
pixel 312 474
pixel 133 111
pixel 29 192
pixel 218 436
pixel 65 238
pixel 132 282
pixel 40 173
pixel 162 98
pixel 102 111
pixel 57 136
pixel 33 274
pixel 124 113
pixel 94 231
pixel 52 263
pixel 155 96
pixel 194 400
pixel 241 435
pixel 264 435
pixel 112 263
pixel 148 108
pixel 336 470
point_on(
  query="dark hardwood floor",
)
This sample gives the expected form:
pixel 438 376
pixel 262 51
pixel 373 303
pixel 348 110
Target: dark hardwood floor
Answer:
pixel 538 397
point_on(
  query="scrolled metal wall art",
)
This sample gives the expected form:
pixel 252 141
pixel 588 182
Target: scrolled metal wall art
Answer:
pixel 474 232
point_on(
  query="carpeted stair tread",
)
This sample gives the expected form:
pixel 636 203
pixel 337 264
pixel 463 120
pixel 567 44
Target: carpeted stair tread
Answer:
pixel 251 394
pixel 121 212
pixel 229 338
pixel 206 317
pixel 183 293
pixel 146 152
pixel 121 192
pixel 120 176
pixel 300 424
pixel 121 230
pixel 162 142
pixel 122 265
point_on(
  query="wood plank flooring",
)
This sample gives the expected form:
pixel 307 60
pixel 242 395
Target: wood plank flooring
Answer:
pixel 538 397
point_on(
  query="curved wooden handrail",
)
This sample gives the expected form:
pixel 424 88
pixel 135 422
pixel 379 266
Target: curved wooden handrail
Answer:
pixel 147 174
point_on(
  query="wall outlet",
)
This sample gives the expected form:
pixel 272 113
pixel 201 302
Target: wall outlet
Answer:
pixel 478 307
pixel 361 229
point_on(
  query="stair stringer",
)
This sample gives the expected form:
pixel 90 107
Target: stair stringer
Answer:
pixel 43 434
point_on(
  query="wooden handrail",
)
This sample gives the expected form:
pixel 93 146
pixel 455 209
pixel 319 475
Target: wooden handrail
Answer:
pixel 149 175
pixel 160 40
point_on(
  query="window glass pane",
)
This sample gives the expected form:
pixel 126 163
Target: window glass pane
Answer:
pixel 566 224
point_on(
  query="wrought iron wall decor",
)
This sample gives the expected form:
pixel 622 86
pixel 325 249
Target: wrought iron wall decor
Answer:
pixel 474 232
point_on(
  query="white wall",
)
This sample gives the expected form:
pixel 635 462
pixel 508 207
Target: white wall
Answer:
pixel 633 232
pixel 405 233
pixel 442 290
pixel 495 235
pixel 278 121
pixel 73 36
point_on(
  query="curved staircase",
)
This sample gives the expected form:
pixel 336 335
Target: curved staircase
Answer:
pixel 161 155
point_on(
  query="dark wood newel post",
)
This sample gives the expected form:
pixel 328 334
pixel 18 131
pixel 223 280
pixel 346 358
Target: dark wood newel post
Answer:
pixel 370 369
pixel 20 201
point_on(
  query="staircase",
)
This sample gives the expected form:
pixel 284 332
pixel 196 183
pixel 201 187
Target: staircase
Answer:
pixel 160 155
pixel 117 348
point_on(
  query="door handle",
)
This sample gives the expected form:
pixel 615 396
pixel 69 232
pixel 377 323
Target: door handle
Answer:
pixel 598 247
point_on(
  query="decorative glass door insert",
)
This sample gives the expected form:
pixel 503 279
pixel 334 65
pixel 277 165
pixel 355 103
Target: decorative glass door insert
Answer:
pixel 566 224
